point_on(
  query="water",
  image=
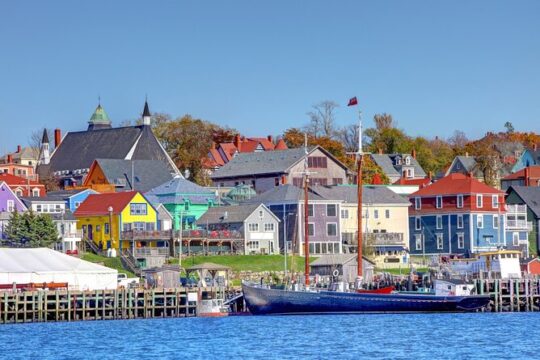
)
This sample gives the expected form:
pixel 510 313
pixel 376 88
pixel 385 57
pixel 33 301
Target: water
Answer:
pixel 411 336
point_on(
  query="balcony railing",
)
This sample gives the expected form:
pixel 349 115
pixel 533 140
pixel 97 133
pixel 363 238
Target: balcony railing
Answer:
pixel 72 235
pixel 517 224
pixel 384 238
pixel 518 209
pixel 150 251
pixel 186 234
pixel 146 235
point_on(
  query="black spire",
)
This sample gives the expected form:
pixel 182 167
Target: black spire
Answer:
pixel 45 138
pixel 146 111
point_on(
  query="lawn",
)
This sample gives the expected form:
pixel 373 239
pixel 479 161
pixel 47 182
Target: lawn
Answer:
pixel 256 263
pixel 401 271
pixel 113 263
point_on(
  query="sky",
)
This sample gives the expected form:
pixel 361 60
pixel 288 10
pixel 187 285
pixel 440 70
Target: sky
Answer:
pixel 260 66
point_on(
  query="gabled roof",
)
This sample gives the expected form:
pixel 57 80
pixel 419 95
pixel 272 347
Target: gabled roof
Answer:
pixel 370 194
pixel 13 180
pixel 98 204
pixel 418 182
pixel 530 196
pixel 454 184
pixel 147 174
pixel 66 194
pixel 283 194
pixel 230 214
pixel 29 200
pixel 281 145
pixel 6 188
pixel 387 162
pixel 177 190
pixel 534 172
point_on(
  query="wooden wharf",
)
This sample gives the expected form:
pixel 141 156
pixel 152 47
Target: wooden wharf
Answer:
pixel 66 305
pixel 511 295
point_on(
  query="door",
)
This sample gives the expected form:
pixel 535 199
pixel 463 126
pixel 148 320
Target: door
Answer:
pixel 90 232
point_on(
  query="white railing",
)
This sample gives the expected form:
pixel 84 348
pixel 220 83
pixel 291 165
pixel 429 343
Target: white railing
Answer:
pixel 72 234
pixel 517 209
pixel 145 251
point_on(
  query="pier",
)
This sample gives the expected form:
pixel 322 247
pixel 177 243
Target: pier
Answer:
pixel 511 295
pixel 65 305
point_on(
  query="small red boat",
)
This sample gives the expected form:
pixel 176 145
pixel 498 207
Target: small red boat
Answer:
pixel 383 290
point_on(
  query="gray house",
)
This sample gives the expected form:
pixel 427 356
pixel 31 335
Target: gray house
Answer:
pixel 324 229
pixel 530 197
pixel 268 169
pixel 255 223
pixel 345 265
pixel 399 166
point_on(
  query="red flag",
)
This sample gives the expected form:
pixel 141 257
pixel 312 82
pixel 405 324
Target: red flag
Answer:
pixel 352 101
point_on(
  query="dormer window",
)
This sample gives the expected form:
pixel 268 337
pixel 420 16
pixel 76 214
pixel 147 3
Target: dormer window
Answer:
pixel 439 203
pixel 479 201
pixel 408 160
pixel 398 160
pixel 460 201
pixel 417 203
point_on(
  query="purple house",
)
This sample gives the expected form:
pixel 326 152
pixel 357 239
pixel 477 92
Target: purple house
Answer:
pixel 9 202
pixel 287 203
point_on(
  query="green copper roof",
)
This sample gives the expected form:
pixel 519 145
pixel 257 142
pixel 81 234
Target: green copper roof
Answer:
pixel 100 116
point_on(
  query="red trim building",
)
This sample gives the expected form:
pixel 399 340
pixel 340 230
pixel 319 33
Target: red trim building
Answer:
pixel 23 187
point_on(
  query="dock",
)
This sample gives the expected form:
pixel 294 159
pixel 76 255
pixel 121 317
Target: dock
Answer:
pixel 511 295
pixel 65 305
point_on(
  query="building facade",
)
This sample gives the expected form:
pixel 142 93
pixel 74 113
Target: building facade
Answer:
pixel 9 202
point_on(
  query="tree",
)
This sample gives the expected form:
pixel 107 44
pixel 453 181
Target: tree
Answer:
pixel 383 121
pixel 322 119
pixel 458 141
pixel 31 230
pixel 509 127
pixel 348 135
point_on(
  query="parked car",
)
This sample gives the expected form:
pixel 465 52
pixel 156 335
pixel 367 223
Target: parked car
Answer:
pixel 125 282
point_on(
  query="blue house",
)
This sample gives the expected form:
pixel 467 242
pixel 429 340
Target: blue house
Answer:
pixel 457 215
pixel 529 157
pixel 72 198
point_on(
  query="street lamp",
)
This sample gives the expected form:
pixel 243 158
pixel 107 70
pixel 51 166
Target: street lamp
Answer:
pixel 110 209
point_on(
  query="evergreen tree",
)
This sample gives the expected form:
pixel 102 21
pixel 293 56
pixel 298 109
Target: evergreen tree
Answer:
pixel 31 230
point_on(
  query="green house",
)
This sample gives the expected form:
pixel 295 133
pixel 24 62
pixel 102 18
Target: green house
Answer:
pixel 184 200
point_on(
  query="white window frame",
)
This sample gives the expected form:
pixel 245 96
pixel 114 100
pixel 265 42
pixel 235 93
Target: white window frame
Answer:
pixel 344 213
pixel 480 221
pixel 460 221
pixel 418 241
pixel 35 192
pixel 440 241
pixel 311 210
pixel 439 220
pixel 417 203
pixel 387 213
pixel 253 227
pixel 375 214
pixel 496 217
pixel 10 205
pixel 331 223
pixel 459 201
pixel 460 240
pixel 313 226
pixel 269 227
pixel 479 201
pixel 438 202
pixel 515 236
pixel 417 223
pixel 261 214
pixel 495 201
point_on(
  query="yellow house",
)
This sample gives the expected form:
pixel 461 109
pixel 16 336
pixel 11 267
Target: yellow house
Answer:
pixel 105 219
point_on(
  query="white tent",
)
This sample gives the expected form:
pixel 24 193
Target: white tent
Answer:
pixel 41 265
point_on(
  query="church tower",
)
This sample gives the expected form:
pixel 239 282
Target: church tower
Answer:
pixel 44 152
pixel 99 120
pixel 146 116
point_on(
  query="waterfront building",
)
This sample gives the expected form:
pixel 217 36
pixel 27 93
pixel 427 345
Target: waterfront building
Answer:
pixel 184 200
pixel 111 220
pixel 256 227
pixel 324 227
pixel 399 166
pixel 9 202
pixel 74 154
pixel 527 197
pixel 23 186
pixel 456 215
pixel 266 170
pixel 115 175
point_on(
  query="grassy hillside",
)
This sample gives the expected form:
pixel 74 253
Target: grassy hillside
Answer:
pixel 113 263
pixel 255 263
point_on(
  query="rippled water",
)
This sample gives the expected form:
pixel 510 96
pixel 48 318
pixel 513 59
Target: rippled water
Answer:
pixel 418 336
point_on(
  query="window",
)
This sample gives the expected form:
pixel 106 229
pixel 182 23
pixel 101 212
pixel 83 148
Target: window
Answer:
pixel 253 245
pixel 417 203
pixel 375 214
pixel 310 210
pixel 150 226
pixel 439 222
pixel 439 241
pixel 387 213
pixel 276 181
pixel 407 161
pixel 35 192
pixel 417 223
pixel 77 204
pixel 495 201
pixel 10 205
pixel 261 214
pixel 106 228
pixel 38 207
pixel 331 210
pixel 439 202
pixel 495 221
pixel 186 205
pixel 337 181
pixel 418 241
pixel 410 173
pixel 479 202
pixel 460 201
pixel 344 213
pixel 460 221
pixel 253 227
pixel 139 226
pixel 137 209
pixel 331 229
pixel 480 221
pixel 515 239
pixel 19 192
pixel 460 241
pixel 317 162
pixel 269 227
pixel 311 229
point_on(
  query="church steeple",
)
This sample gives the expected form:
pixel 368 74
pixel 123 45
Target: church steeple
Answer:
pixel 99 120
pixel 146 116
pixel 44 152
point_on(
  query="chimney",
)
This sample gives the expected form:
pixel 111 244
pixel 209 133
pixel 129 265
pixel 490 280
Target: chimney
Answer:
pixel 527 175
pixel 283 179
pixel 470 174
pixel 380 151
pixel 57 137
pixel 270 138
pixel 535 147
pixel 237 142
pixel 10 159
pixel 413 153
pixel 19 149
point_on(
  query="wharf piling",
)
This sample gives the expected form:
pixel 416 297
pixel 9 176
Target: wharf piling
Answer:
pixel 511 295
pixel 66 305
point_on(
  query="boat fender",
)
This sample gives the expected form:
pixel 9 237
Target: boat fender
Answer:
pixel 336 272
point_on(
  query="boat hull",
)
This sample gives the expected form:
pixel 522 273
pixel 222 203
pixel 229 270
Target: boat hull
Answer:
pixel 265 301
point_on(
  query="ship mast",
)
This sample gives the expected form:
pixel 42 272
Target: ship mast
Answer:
pixel 359 159
pixel 306 217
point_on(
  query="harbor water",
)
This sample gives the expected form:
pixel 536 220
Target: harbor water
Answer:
pixel 376 336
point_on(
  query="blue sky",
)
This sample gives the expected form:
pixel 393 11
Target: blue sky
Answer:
pixel 260 66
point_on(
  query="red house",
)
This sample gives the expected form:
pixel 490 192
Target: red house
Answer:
pixel 23 187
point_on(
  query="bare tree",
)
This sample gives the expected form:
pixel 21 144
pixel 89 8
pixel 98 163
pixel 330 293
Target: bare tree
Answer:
pixel 322 119
pixel 458 140
pixel 35 139
pixel 383 121
pixel 348 135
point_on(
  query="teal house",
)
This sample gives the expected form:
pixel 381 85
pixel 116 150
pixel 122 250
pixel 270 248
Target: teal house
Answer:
pixel 184 200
